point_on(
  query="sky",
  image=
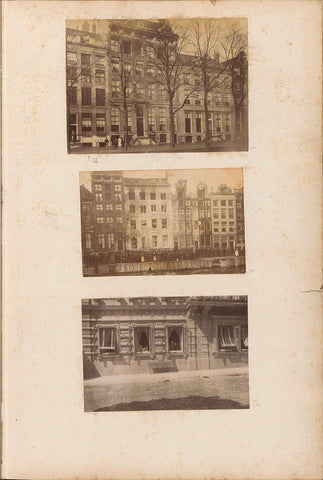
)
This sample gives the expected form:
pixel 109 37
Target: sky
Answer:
pixel 212 177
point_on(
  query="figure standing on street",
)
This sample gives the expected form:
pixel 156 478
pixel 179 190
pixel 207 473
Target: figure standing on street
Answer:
pixel 119 142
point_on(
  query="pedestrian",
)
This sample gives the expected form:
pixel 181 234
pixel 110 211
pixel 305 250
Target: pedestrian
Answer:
pixel 119 142
pixel 106 142
pixel 115 143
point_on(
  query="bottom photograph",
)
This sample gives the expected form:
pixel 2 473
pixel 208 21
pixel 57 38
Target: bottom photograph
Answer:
pixel 165 353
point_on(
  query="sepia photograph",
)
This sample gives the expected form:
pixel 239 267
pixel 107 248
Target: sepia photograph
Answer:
pixel 157 85
pixel 165 353
pixel 157 222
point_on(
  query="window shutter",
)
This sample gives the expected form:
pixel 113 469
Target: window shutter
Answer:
pixel 118 340
pixel 236 337
pixel 152 339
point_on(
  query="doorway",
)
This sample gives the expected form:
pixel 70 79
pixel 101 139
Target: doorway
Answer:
pixel 140 121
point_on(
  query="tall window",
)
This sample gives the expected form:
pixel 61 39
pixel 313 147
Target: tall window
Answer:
pixel 151 119
pixel 165 241
pixel 139 70
pixel 115 120
pixel 150 51
pixel 72 57
pixel 140 90
pixel 163 208
pixel 86 75
pixel 226 99
pixel 142 195
pixel 100 97
pixel 164 222
pixel 85 59
pixel 162 119
pixel 72 95
pixel 175 339
pixel 107 340
pixel 244 337
pixel 150 70
pixel 115 88
pixel 154 223
pixel 115 46
pixel 86 96
pixel 154 241
pixel 152 196
pixel 88 241
pixel 227 124
pixel 142 208
pixel 100 124
pixel 110 239
pixel 218 124
pixel 86 124
pixel 198 122
pixel 132 195
pixel 100 239
pixel 134 242
pixel 142 339
pixel 151 91
pixel 162 93
pixel 132 208
pixel 188 117
pixel 100 76
pixel 127 47
pixel 230 212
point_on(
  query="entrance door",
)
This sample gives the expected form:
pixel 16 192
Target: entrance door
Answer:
pixel 140 121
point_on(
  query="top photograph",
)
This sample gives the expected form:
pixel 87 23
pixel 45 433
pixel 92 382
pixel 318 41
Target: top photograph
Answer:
pixel 163 85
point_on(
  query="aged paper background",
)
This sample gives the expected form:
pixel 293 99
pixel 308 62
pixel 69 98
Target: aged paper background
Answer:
pixel 46 433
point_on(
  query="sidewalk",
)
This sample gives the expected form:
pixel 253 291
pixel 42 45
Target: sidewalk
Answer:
pixel 184 390
pixel 158 377
pixel 183 147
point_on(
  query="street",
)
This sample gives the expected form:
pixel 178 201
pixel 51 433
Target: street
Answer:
pixel 184 390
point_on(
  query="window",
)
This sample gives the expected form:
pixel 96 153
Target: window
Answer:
pixel 161 93
pixel 143 242
pixel 231 226
pixel 216 227
pixel 109 220
pixel 72 57
pixel 86 75
pixel 132 195
pixel 218 124
pixel 226 100
pixel 151 119
pixel 153 208
pixel 110 238
pixel 188 122
pixel 115 84
pixel 99 220
pixel 142 195
pixel 165 241
pixel 107 340
pixel 162 119
pixel 175 339
pixel 98 197
pixel 133 224
pixel 150 51
pixel 227 124
pixel 217 99
pixel 153 196
pixel 163 208
pixel 71 73
pixel 100 76
pixel 86 96
pixel 108 207
pixel 86 124
pixel 139 70
pixel 140 90
pixel 88 241
pixel 98 187
pixel 143 223
pixel 223 213
pixel 226 338
pixel 215 203
pixel 142 208
pixel 164 222
pixel 224 227
pixel 100 124
pixel 115 62
pixel 244 337
pixel 216 241
pixel 85 59
pixel 187 101
pixel 117 187
pixel 85 38
pixel 198 122
pixel 142 339
pixel 154 241
pixel 132 208
pixel 99 207
pixel 150 70
pixel 115 120
pixel 72 96
pixel 223 203
pixel 230 212
pixel 151 92
pixel 154 222
pixel 115 46
pixel 134 242
pixel 127 47
pixel 119 220
pixel 100 238
pixel 230 203
pixel 163 196
pixel 117 198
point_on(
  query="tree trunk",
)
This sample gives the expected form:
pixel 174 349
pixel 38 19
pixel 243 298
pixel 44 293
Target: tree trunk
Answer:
pixel 172 123
pixel 126 121
pixel 206 119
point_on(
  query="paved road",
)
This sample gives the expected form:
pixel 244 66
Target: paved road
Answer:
pixel 187 390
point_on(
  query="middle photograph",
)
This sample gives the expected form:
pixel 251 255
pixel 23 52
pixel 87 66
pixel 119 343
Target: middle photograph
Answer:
pixel 162 222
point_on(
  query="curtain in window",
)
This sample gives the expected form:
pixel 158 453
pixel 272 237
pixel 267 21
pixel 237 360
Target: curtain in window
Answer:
pixel 226 337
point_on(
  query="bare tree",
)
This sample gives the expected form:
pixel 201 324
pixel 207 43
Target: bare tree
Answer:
pixel 234 46
pixel 74 72
pixel 170 67
pixel 208 70
pixel 123 67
